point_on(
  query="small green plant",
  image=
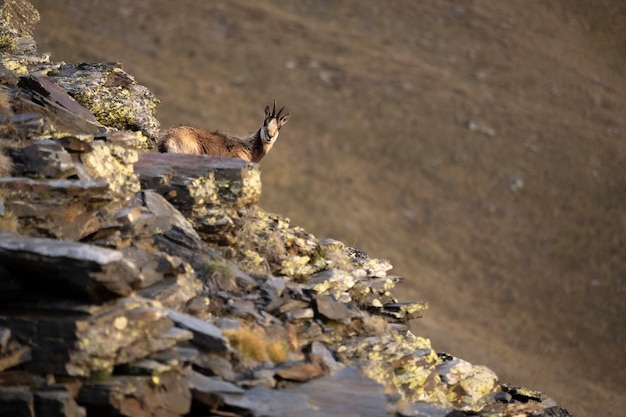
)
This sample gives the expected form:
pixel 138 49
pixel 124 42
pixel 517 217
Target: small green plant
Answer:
pixel 318 254
pixel 220 276
pixel 100 375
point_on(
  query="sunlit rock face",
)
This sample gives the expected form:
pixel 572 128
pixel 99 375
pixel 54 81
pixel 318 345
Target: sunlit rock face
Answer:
pixel 143 284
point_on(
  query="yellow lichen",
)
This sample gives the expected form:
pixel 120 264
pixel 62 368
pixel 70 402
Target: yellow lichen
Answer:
pixel 113 164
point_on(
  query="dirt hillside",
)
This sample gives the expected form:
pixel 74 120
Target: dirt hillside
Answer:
pixel 478 145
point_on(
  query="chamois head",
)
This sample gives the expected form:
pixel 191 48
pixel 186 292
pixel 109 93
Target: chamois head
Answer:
pixel 272 124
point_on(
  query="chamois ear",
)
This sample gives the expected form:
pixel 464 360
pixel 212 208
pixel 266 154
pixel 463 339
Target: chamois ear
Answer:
pixel 283 120
pixel 268 113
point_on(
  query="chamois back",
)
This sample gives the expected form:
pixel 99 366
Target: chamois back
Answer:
pixel 252 148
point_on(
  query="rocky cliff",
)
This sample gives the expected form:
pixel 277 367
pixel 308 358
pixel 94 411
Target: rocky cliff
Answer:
pixel 134 283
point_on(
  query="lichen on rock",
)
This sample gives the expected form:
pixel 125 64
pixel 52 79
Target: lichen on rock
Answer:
pixel 114 164
pixel 153 284
pixel 112 95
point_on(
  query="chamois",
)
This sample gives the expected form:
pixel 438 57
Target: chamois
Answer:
pixel 252 148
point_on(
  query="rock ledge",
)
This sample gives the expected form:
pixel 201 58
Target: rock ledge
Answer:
pixel 141 284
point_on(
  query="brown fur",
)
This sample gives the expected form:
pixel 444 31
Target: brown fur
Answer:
pixel 252 148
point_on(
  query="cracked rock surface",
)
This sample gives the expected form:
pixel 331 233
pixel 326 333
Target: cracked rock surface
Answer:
pixel 141 284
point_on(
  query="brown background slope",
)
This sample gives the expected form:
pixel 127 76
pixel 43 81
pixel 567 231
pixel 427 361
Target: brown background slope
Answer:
pixel 414 124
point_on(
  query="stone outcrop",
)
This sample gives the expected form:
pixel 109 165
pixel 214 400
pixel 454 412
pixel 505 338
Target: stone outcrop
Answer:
pixel 142 284
pixel 100 95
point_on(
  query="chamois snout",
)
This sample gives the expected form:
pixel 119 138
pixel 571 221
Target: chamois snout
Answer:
pixel 270 132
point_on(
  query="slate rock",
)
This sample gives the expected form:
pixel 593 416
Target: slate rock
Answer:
pixel 344 393
pixel 196 183
pixel 154 266
pixel 16 401
pixel 331 282
pixel 261 401
pixel 69 269
pixel 300 314
pixel 242 309
pixel 209 363
pixel 19 17
pixel 332 309
pixel 44 86
pixel 45 158
pixel 164 395
pixel 57 404
pixel 112 95
pixel 175 234
pixel 59 208
pixel 76 143
pixel 210 391
pixel 37 114
pixel 114 165
pixel 403 311
pixel 72 339
pixel 321 351
pixel 503 397
pixel 173 292
pixel 469 384
pixel 205 334
pixel 302 371
pixel 177 356
pixel 15 354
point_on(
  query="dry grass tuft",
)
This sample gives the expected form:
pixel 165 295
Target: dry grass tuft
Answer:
pixel 6 124
pixel 8 221
pixel 6 165
pixel 375 325
pixel 253 344
pixel 262 239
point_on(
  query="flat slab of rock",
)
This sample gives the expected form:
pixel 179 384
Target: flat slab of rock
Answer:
pixel 210 391
pixel 61 112
pixel 73 339
pixel 84 272
pixel 16 402
pixel 332 309
pixel 205 334
pixel 345 393
pixel 261 401
pixel 56 207
pixel 196 183
pixel 45 158
pixel 45 87
pixel 164 395
pixel 405 311
pixel 57 404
